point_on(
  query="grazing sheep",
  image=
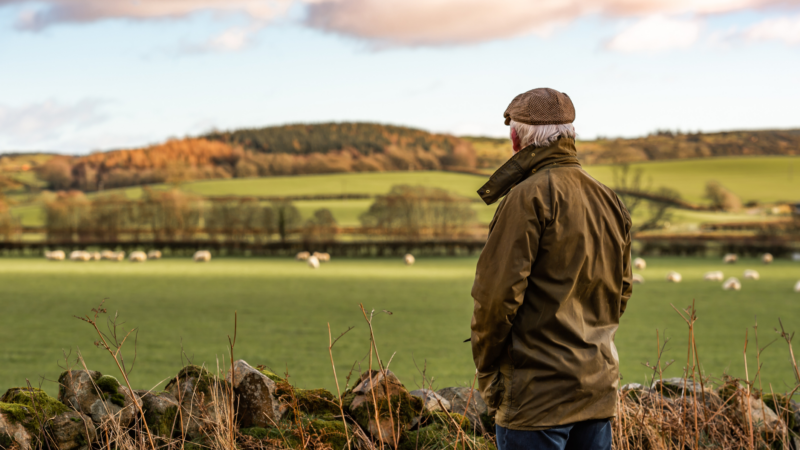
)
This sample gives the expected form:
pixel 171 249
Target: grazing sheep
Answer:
pixel 638 279
pixel 767 258
pixel 117 256
pixel 639 264
pixel 730 258
pixel 154 254
pixel 796 256
pixel 797 287
pixel 302 256
pixel 732 283
pixel 714 276
pixel 56 255
pixel 80 255
pixel 137 257
pixel 313 262
pixel 107 254
pixel 409 259
pixel 96 256
pixel 322 257
pixel 202 256
pixel 751 275
pixel 674 277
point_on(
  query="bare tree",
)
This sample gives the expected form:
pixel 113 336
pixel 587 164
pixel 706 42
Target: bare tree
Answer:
pixel 638 196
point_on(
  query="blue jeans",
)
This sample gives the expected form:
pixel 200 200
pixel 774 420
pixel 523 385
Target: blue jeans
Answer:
pixel 586 435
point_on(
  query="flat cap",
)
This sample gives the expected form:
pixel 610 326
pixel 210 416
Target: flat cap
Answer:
pixel 541 106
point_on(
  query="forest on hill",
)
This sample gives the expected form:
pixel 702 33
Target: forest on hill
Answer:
pixel 366 147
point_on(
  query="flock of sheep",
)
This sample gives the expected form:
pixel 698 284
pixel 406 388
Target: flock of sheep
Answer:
pixel 731 283
pixel 314 259
pixel 109 255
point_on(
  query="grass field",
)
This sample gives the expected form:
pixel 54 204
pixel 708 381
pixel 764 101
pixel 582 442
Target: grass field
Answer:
pixel 284 307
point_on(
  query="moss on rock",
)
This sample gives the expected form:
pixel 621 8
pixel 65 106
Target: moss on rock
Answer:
pixel 109 386
pixel 205 379
pixel 35 399
pixel 440 437
pixel 331 432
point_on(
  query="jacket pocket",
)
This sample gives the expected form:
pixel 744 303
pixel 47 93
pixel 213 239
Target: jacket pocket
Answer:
pixel 495 391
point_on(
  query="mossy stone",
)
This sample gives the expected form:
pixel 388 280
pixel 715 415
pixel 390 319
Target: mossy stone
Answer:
pixel 6 441
pixel 20 414
pixel 781 409
pixel 440 437
pixel 331 432
pixel 35 399
pixel 109 386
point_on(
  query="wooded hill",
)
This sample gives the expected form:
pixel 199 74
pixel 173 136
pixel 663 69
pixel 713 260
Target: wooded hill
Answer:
pixel 367 147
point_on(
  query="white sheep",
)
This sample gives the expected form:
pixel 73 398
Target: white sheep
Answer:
pixel 137 257
pixel 322 257
pixel 639 264
pixel 154 254
pixel 80 255
pixel 409 259
pixel 767 258
pixel 732 283
pixel 730 258
pixel 56 255
pixel 117 256
pixel 107 254
pixel 313 262
pixel 637 279
pixel 202 256
pixel 96 256
pixel 674 277
pixel 302 256
pixel 750 274
pixel 715 275
pixel 797 287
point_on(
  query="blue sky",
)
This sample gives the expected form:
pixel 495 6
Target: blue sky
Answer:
pixel 76 77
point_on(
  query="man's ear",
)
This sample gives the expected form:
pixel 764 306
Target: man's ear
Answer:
pixel 515 140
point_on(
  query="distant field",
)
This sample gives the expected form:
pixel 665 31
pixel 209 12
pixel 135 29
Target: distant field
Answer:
pixel 763 178
pixel 284 307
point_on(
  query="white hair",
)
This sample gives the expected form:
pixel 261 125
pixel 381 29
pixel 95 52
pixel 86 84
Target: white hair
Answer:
pixel 541 135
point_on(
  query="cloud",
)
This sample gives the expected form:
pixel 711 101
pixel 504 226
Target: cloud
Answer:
pixel 391 22
pixel 656 33
pixel 80 11
pixel 230 40
pixel 38 122
pixel 785 29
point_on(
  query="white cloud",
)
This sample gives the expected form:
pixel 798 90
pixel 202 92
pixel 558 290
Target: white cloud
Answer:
pixel 785 29
pixel 656 33
pixel 38 122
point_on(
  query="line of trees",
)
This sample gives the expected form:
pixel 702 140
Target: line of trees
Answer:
pixel 288 150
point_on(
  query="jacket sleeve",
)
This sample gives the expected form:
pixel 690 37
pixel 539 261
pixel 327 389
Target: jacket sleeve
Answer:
pixel 627 272
pixel 502 275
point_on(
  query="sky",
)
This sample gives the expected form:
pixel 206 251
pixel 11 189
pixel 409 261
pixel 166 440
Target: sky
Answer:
pixel 78 76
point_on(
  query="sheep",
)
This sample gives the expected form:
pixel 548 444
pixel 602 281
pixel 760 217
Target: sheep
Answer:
pixel 154 254
pixel 107 254
pixel 751 275
pixel 80 255
pixel 137 257
pixel 714 276
pixel 767 258
pixel 117 256
pixel 674 277
pixel 56 255
pixel 96 256
pixel 797 287
pixel 302 256
pixel 202 256
pixel 732 283
pixel 322 257
pixel 637 279
pixel 639 264
pixel 313 262
pixel 409 259
pixel 730 258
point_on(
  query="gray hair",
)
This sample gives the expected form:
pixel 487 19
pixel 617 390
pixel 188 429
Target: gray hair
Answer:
pixel 541 135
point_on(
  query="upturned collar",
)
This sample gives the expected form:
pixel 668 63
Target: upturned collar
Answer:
pixel 524 164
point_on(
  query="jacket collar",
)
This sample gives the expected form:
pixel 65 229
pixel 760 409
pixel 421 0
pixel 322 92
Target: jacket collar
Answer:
pixel 526 162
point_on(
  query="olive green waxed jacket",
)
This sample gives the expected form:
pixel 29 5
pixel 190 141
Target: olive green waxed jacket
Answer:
pixel 550 287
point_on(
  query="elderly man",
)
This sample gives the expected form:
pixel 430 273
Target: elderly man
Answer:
pixel 550 287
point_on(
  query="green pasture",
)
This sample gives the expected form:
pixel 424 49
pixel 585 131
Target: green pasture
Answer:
pixel 185 311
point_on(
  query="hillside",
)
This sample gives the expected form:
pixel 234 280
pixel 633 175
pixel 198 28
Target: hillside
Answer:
pixel 263 152
pixel 308 149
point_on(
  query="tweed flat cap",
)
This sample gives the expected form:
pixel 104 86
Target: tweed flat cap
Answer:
pixel 541 106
